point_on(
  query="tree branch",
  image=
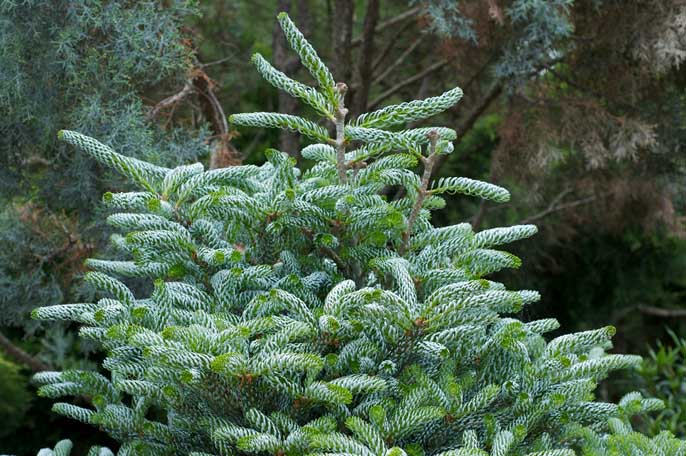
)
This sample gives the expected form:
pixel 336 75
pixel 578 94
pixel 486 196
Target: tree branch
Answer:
pixel 428 163
pixel 648 310
pixel 171 100
pixel 21 356
pixel 389 23
pixel 218 62
pixel 399 60
pixel 328 251
pixel 417 77
pixel 211 106
pixel 392 41
pixel 341 112
pixel 660 312
pixel 223 152
pixel 556 208
pixel 342 36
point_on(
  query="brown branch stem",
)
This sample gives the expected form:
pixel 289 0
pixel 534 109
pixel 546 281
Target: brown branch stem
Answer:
pixel 21 356
pixel 558 207
pixel 171 100
pixel 660 312
pixel 423 191
pixel 399 60
pixel 341 112
pixel 328 251
pixel 392 42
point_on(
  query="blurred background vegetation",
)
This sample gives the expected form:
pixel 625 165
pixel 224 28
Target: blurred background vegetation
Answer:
pixel 577 106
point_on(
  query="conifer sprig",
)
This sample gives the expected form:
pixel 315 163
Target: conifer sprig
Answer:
pixel 145 174
pixel 283 121
pixel 408 112
pixel 309 58
pixel 292 87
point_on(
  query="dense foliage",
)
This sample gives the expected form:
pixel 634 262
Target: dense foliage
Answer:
pixel 84 64
pixel 663 375
pixel 315 313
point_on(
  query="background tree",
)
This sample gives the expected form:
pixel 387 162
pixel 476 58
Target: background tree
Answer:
pixel 101 67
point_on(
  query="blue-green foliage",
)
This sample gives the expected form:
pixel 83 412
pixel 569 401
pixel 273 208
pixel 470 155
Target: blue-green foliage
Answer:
pixel 448 20
pixel 23 284
pixel 84 64
pixel 540 32
pixel 304 313
pixel 541 29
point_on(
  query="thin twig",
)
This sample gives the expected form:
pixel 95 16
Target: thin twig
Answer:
pixel 341 112
pixel 428 163
pixel 392 42
pixel 660 312
pixel 556 208
pixel 171 100
pixel 21 356
pixel 218 111
pixel 46 259
pixel 217 62
pixel 399 60
pixel 480 214
pixel 364 73
pixel 389 23
pixel 328 251
pixel 417 77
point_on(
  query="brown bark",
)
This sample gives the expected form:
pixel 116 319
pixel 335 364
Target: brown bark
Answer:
pixel 391 43
pixel 557 206
pixel 399 61
pixel 366 59
pixel 223 153
pixel 171 100
pixel 660 312
pixel 343 15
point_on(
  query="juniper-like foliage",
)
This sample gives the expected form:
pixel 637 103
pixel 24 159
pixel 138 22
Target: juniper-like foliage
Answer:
pixel 308 313
pixel 87 64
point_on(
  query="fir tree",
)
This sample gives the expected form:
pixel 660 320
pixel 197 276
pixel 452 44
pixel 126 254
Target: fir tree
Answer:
pixel 307 313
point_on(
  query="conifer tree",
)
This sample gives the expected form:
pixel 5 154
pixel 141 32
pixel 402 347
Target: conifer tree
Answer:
pixel 304 312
